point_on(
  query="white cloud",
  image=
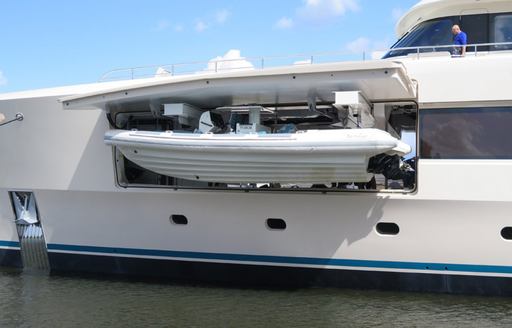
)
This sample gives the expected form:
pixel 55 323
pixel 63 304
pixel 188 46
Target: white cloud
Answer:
pixel 324 9
pixel 201 26
pixel 3 79
pixel 284 23
pixel 359 45
pixel 162 25
pixel 222 15
pixel 397 13
pixel 231 61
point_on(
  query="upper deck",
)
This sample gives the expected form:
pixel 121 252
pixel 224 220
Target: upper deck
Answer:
pixel 487 23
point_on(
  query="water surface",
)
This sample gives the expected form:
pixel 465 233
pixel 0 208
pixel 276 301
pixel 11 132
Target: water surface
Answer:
pixel 39 300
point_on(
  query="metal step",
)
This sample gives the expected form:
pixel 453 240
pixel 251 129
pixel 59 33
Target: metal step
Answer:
pixel 34 253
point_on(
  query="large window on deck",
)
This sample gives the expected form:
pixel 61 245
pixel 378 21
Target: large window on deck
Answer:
pixel 477 29
pixel 430 33
pixel 470 133
pixel 480 29
pixel 501 30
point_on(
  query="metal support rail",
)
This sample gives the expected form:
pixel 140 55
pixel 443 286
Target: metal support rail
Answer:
pixel 19 117
pixel 249 63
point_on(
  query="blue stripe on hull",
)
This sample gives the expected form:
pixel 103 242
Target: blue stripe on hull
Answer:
pixel 5 243
pixel 286 260
pixel 242 274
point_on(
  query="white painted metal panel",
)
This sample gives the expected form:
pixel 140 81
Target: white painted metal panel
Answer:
pixel 378 80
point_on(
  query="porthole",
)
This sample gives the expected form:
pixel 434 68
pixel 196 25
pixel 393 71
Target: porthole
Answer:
pixel 276 224
pixel 506 233
pixel 179 219
pixel 387 228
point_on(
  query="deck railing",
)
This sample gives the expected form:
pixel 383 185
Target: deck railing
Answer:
pixel 471 49
pixel 250 63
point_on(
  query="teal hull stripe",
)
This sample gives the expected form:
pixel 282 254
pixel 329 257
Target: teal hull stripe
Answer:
pixel 4 243
pixel 285 259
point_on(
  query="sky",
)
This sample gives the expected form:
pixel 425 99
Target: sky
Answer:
pixel 54 43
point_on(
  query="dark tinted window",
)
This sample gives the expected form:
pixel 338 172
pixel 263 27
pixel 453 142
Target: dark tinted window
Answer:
pixel 506 233
pixel 179 219
pixel 430 33
pixel 477 29
pixel 501 30
pixel 474 133
pixel 276 224
pixel 387 228
pixel 438 32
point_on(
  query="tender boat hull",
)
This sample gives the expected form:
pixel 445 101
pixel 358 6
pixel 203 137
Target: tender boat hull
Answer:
pixel 314 156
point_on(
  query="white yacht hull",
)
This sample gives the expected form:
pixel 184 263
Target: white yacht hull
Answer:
pixel 329 240
pixel 449 238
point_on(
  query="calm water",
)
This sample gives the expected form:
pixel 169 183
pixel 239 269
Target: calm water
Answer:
pixel 37 300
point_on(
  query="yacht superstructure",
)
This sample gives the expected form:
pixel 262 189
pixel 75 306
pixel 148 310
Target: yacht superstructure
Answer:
pixel 289 176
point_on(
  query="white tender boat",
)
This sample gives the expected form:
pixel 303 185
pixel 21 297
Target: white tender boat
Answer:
pixel 313 156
